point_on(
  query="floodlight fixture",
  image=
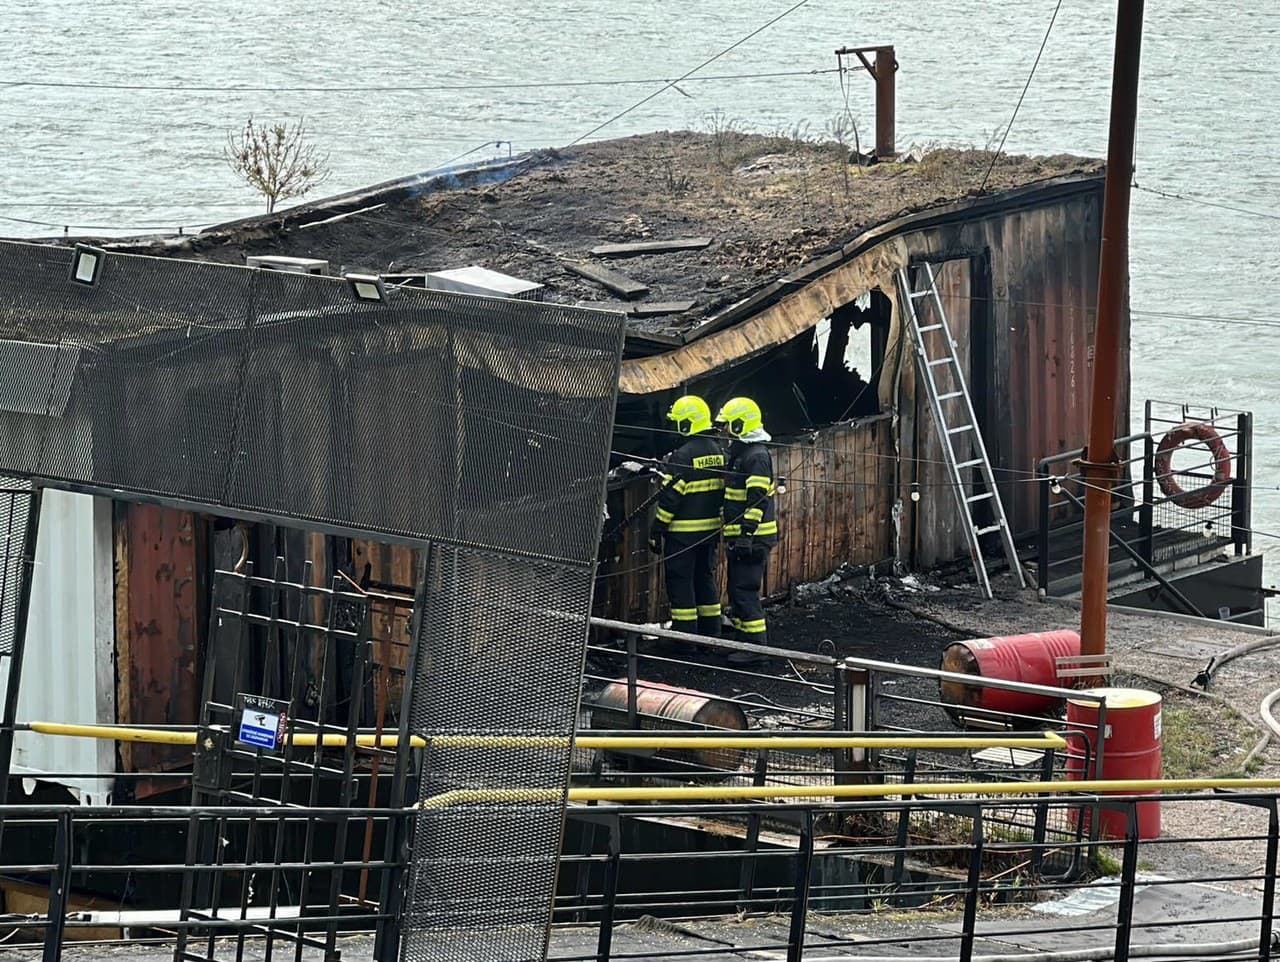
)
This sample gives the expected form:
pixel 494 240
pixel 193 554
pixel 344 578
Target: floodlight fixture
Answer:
pixel 86 264
pixel 367 287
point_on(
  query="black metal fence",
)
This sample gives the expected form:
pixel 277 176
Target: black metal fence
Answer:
pixel 1162 511
pixel 79 868
pixel 791 881
pixel 979 874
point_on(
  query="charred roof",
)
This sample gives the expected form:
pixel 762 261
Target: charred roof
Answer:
pixel 751 207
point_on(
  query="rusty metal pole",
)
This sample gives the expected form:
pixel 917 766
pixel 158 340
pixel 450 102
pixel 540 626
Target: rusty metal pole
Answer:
pixel 886 105
pixel 884 71
pixel 1100 462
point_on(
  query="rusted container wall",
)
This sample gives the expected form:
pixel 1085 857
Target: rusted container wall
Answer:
pixel 159 608
pixel 1044 266
pixel 1032 327
pixel 836 510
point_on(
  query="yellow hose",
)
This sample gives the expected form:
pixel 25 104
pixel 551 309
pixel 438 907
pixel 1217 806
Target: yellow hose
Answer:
pixel 728 793
pixel 647 742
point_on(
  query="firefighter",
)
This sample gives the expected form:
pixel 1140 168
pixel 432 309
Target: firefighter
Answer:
pixel 750 521
pixel 686 529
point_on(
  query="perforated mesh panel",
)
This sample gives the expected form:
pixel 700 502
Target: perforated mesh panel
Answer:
pixel 502 647
pixel 434 416
pixel 15 508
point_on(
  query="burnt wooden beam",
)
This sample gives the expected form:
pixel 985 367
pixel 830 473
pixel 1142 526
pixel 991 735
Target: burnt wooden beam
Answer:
pixel 651 247
pixel 619 284
pixel 659 308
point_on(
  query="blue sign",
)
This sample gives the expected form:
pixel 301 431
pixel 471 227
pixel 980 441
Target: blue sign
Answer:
pixel 259 728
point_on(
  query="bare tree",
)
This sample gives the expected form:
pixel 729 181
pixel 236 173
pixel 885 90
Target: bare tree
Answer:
pixel 276 160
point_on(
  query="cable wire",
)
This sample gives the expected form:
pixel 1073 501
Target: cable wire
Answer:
pixel 679 80
pixel 446 88
pixel 1170 195
pixel 1018 106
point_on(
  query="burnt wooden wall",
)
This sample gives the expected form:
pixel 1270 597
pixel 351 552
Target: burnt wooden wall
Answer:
pixel 836 510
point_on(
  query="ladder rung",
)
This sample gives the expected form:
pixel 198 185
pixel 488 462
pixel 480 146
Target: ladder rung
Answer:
pixel 969 464
pixel 949 395
pixel 961 429
pixel 979 497
pixel 916 294
pixel 931 327
pixel 941 360
pixel 988 529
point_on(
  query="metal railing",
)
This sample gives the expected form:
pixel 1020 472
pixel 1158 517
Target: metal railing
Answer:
pixel 1149 527
pixel 824 872
pixel 849 859
pixel 92 862
pixel 630 666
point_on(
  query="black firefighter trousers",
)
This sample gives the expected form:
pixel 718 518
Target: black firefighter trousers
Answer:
pixel 690 568
pixel 746 577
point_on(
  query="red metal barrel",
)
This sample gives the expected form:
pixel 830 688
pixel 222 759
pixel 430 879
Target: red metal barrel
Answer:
pixel 1027 658
pixel 666 707
pixel 1131 749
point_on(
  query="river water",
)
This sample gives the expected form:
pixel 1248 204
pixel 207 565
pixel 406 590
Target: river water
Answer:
pixel 122 159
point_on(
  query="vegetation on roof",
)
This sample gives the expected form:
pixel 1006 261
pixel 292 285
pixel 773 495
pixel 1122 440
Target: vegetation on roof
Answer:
pixel 769 202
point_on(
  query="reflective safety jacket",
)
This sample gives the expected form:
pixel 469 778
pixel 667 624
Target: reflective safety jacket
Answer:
pixel 749 494
pixel 690 501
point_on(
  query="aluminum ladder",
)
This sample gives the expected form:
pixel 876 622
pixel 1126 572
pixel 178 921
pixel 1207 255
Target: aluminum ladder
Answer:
pixel 962 444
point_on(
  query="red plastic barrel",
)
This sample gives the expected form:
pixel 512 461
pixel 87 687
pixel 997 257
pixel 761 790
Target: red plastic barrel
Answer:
pixel 1028 658
pixel 1131 749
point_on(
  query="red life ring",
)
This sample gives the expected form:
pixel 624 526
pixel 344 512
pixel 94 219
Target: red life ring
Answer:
pixel 1200 497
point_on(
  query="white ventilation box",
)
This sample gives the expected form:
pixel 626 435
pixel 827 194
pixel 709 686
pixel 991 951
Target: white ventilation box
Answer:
pixel 294 265
pixel 481 280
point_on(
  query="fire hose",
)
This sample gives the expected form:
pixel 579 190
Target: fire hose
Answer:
pixel 1205 677
pixel 1267 716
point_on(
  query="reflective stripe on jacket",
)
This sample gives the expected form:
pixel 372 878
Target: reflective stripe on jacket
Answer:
pixel 690 500
pixel 749 494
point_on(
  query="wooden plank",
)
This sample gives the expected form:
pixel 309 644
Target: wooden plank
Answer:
pixel 619 284
pixel 651 247
pixel 659 308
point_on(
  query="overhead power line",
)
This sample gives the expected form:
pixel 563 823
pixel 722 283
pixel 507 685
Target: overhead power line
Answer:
pixel 1018 106
pixel 1191 199
pixel 689 74
pixel 421 88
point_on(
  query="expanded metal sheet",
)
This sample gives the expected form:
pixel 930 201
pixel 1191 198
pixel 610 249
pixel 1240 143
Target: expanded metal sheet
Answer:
pixel 15 509
pixel 433 416
pixel 502 645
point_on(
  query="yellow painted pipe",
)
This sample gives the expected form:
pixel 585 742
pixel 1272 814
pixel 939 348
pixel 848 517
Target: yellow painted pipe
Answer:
pixel 645 742
pixel 728 793
pixel 151 736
